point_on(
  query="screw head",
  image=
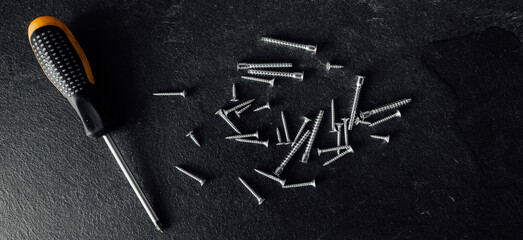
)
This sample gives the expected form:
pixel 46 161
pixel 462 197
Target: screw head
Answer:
pixel 183 93
pixel 256 134
pixel 313 183
pixel 271 82
pixel 260 200
pixel 397 114
pixel 319 151
pixel 328 66
pixel 190 133
pixel 305 119
pixel 266 143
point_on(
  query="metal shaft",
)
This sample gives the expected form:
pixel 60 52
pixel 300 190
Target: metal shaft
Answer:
pixel 123 166
pixel 359 83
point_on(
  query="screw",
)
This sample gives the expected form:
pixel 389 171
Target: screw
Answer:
pixel 345 130
pixel 384 138
pixel 255 135
pixel 264 143
pixel 359 83
pixel 305 156
pixel 221 113
pixel 182 93
pixel 240 111
pixel 234 99
pixel 338 157
pixel 201 180
pixel 281 181
pixel 279 137
pixel 238 106
pixel 305 184
pixel 338 135
pixel 333 117
pixel 294 75
pixel 396 114
pixel 285 129
pixel 328 66
pixel 310 48
pixel 358 121
pixel 193 138
pixel 266 106
pixel 262 80
pixel 245 66
pixel 305 121
pixel 260 199
pixel 280 168
pixel 386 107
pixel 332 149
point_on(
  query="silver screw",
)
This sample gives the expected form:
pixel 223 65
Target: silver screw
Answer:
pixel 310 48
pixel 338 157
pixel 294 75
pixel 360 121
pixel 221 113
pixel 245 66
pixel 316 126
pixel 396 114
pixel 262 80
pixel 182 93
pixel 333 117
pixel 193 138
pixel 285 129
pixel 345 130
pixel 338 135
pixel 264 143
pixel 234 99
pixel 260 199
pixel 328 66
pixel 255 135
pixel 281 181
pixel 305 121
pixel 266 106
pixel 332 149
pixel 294 149
pixel 238 106
pixel 199 179
pixel 240 111
pixel 359 84
pixel 386 107
pixel 305 184
pixel 384 138
pixel 278 134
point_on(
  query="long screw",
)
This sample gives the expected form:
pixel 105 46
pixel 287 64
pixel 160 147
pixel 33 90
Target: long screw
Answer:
pixel 386 107
pixel 285 128
pixel 305 184
pixel 266 106
pixel 240 111
pixel 199 179
pixel 384 138
pixel 262 80
pixel 264 143
pixel 258 197
pixel 310 48
pixel 333 117
pixel 305 121
pixel 255 135
pixel 294 75
pixel 221 113
pixel 238 106
pixel 294 149
pixel 316 126
pixel 338 135
pixel 332 149
pixel 359 84
pixel 345 130
pixel 234 97
pixel 193 138
pixel 396 114
pixel 330 66
pixel 245 66
pixel 281 181
pixel 182 93
pixel 338 157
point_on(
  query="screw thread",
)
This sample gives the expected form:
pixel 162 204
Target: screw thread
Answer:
pixel 281 181
pixel 289 44
pixel 193 138
pixel 255 79
pixel 333 116
pixel 338 136
pixel 244 66
pixel 295 75
pixel 305 184
pixel 238 106
pixel 291 153
pixel 238 112
pixel 182 93
pixel 266 106
pixel 285 128
pixel 260 199
pixel 386 107
pixel 265 143
pixel 332 149
pixel 337 157
pixel 201 180
pixel 278 134
pixel 228 121
pixel 315 128
pixel 302 127
pixel 243 136
pixel 359 83
pixel 234 99
pixel 397 114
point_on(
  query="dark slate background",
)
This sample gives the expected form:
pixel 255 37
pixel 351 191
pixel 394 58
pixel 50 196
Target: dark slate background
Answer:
pixel 453 169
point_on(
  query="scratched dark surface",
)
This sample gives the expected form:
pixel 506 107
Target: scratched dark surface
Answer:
pixel 453 168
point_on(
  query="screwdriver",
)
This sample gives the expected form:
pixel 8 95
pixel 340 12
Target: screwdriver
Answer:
pixel 65 65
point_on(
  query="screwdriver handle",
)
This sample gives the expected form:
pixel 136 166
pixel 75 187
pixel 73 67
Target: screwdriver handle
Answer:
pixel 65 65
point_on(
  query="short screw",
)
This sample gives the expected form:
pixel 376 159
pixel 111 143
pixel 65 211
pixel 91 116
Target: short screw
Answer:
pixel 305 184
pixel 315 127
pixel 338 135
pixel 386 107
pixel 332 149
pixel 182 93
pixel 266 106
pixel 328 66
pixel 245 66
pixel 333 117
pixel 285 128
pixel 310 48
pixel 240 111
pixel 254 135
pixel 281 181
pixel 384 138
pixel 199 179
pixel 360 121
pixel 359 84
pixel 294 149
pixel 262 80
pixel 221 113
pixel 193 138
pixel 294 75
pixel 278 134
pixel 234 98
pixel 305 121
pixel 264 143
pixel 338 157
pixel 345 130
pixel 238 106
pixel 260 199
pixel 396 114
